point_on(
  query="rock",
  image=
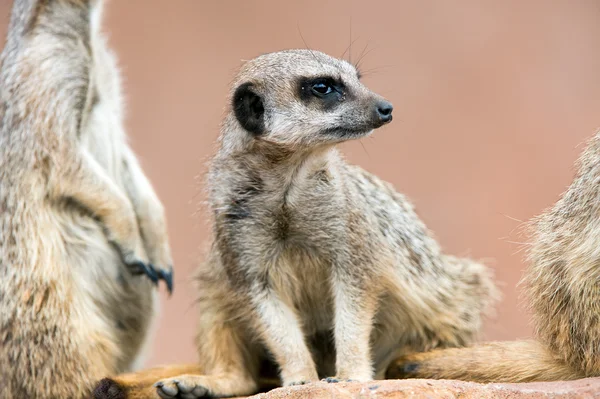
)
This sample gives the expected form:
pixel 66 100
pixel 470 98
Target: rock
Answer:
pixel 430 389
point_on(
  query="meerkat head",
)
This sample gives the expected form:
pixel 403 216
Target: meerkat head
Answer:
pixel 305 97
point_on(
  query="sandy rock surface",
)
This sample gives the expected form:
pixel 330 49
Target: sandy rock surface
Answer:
pixel 430 389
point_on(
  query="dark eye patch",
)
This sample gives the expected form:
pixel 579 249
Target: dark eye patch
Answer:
pixel 325 92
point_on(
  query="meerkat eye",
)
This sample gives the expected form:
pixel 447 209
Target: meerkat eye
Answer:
pixel 322 89
pixel 326 89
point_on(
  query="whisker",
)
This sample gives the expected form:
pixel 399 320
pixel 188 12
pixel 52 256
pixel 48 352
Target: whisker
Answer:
pixel 364 55
pixel 364 148
pixel 308 48
pixel 374 70
pixel 348 47
pixel 518 243
pixel 512 218
pixel 350 52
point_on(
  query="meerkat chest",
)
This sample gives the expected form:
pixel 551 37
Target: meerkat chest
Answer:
pixel 307 212
pixel 292 231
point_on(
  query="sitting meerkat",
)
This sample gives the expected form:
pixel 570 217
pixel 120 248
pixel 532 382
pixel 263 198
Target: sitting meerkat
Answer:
pixel 316 266
pixel 83 237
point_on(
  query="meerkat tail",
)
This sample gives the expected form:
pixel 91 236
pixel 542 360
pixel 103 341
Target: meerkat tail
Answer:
pixel 511 362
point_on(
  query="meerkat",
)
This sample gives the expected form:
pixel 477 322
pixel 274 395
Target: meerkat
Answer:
pixel 317 267
pixel 563 290
pixel 83 238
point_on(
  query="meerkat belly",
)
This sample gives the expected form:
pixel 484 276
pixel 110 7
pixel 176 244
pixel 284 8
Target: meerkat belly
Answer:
pixel 304 281
pixel 121 303
pixel 111 301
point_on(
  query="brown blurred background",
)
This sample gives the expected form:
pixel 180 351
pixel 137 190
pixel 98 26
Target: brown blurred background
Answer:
pixel 493 100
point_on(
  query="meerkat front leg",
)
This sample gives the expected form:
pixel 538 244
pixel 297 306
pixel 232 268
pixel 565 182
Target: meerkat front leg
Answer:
pixel 87 184
pixel 354 311
pixel 283 336
pixel 151 218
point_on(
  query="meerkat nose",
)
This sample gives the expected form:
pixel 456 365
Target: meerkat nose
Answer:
pixel 384 111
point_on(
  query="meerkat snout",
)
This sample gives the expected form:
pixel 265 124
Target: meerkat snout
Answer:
pixel 384 111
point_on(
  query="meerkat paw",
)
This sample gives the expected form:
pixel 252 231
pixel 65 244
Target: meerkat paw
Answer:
pixel 404 367
pixel 167 275
pixel 297 382
pixel 153 273
pixel 139 266
pixel 162 262
pixel 184 387
pixel 355 376
pixel 306 376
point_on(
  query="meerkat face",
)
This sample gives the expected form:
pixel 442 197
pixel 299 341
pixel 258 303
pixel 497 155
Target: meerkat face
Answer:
pixel 305 97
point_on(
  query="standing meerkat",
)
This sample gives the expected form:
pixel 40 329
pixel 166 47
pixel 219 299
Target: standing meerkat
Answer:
pixel 316 266
pixel 562 285
pixel 82 234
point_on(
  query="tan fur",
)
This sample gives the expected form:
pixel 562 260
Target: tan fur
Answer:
pixel 77 214
pixel 316 266
pixel 563 288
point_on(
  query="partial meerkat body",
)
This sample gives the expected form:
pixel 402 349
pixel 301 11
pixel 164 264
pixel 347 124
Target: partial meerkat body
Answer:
pixel 316 266
pixel 563 288
pixel 79 221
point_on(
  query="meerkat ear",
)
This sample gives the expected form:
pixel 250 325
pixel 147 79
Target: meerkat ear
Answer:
pixel 249 109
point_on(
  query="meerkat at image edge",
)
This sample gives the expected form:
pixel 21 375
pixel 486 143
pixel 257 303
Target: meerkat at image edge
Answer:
pixel 563 290
pixel 316 266
pixel 83 239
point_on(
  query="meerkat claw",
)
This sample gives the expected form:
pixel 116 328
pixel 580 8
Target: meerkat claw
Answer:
pixel 138 268
pixel 168 278
pixel 152 273
pixel 335 380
